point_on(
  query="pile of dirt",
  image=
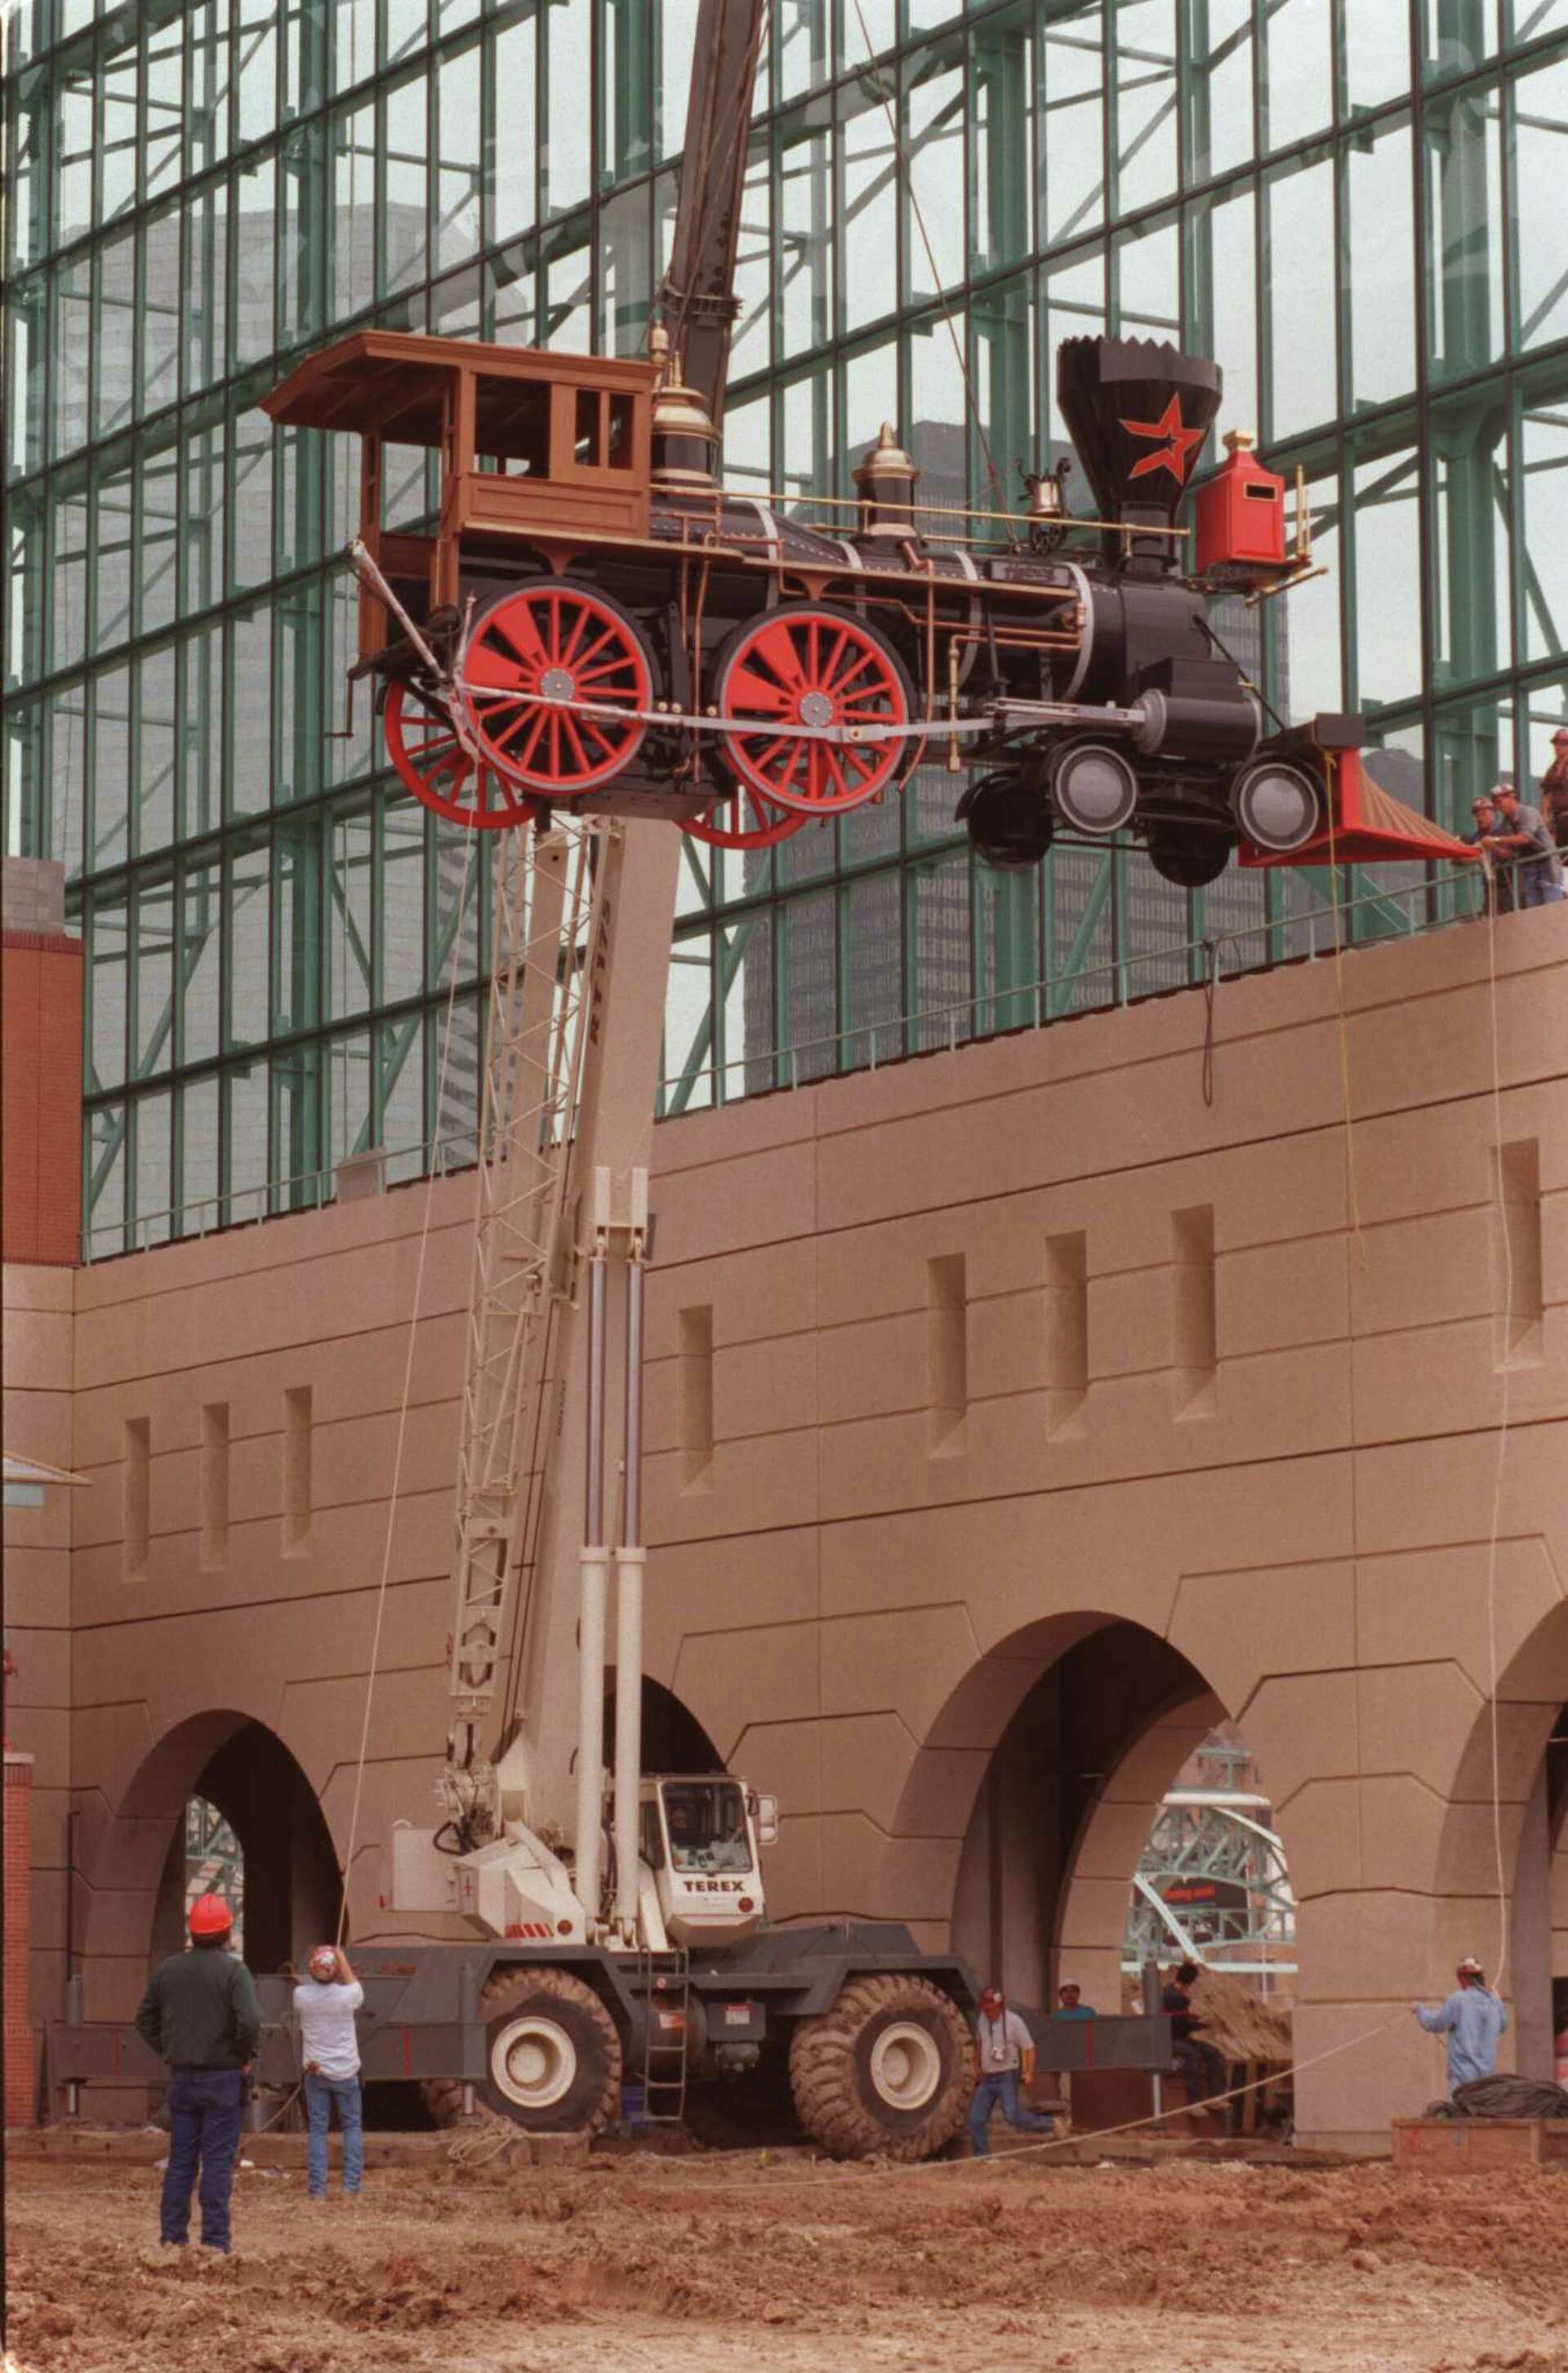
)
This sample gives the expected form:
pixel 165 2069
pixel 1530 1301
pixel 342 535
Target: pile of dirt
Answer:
pixel 1241 2023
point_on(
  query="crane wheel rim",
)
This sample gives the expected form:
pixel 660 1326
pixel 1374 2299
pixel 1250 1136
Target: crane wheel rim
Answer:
pixel 816 668
pixel 533 2062
pixel 905 2066
pixel 430 761
pixel 534 661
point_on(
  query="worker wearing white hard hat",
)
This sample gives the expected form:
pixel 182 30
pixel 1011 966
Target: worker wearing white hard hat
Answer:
pixel 325 2004
pixel 1472 2018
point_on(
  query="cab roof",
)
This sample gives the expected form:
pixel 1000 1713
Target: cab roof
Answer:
pixel 394 383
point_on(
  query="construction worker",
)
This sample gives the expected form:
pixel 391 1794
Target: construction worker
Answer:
pixel 1069 2003
pixel 200 2014
pixel 1472 2018
pixel 1004 2060
pixel 324 2006
pixel 1197 2058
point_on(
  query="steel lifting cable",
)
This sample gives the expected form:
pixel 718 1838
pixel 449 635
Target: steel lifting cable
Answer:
pixel 470 840
pixel 901 163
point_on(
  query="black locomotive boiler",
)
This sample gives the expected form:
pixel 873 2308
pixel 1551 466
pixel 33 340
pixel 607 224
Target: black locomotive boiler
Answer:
pixel 592 622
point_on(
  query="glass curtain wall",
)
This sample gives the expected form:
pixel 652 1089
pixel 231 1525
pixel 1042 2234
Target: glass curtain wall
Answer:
pixel 1353 203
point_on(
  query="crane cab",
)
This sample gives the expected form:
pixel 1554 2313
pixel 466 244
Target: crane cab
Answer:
pixel 540 453
pixel 699 1839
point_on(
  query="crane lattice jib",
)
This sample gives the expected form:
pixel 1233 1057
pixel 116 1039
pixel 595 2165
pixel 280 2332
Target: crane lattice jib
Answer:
pixel 549 917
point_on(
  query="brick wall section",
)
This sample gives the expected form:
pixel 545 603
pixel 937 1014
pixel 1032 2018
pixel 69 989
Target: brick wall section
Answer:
pixel 20 2040
pixel 41 1020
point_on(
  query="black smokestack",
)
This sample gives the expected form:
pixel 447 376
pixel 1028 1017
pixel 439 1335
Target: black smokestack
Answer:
pixel 1139 411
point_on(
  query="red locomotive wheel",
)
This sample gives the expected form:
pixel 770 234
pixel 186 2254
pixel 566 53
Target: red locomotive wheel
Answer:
pixel 742 821
pixel 538 665
pixel 434 765
pixel 801 665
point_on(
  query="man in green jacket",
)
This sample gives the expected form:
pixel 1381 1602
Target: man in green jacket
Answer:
pixel 200 2014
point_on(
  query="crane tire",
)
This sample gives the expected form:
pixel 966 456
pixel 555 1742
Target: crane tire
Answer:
pixel 564 2030
pixel 887 2072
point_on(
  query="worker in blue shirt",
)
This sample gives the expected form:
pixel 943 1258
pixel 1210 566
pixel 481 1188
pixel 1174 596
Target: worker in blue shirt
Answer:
pixel 1472 2018
pixel 1070 2003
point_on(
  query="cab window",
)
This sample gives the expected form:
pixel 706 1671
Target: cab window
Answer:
pixel 650 1844
pixel 512 426
pixel 706 1820
pixel 586 450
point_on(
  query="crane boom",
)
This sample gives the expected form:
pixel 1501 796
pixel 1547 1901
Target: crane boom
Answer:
pixel 696 297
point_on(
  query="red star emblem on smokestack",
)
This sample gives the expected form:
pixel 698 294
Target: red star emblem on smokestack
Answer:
pixel 1178 447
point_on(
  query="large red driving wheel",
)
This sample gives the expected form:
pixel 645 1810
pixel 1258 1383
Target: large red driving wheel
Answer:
pixel 557 682
pixel 434 765
pixel 740 819
pixel 802 665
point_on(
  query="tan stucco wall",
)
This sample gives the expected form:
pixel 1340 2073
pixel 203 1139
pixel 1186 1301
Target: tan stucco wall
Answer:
pixel 855 1597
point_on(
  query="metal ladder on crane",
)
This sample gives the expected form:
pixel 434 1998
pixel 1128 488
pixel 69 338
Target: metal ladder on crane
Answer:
pixel 665 1984
pixel 548 929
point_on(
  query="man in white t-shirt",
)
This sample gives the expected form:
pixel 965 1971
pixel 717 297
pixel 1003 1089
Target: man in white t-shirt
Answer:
pixel 1004 2059
pixel 329 2046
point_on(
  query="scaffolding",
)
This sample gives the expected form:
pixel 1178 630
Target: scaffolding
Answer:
pixel 1212 1884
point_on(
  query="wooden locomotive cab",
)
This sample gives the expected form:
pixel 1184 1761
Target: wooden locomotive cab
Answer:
pixel 551 450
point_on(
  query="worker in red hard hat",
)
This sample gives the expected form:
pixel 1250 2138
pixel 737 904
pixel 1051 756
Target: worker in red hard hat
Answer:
pixel 201 2015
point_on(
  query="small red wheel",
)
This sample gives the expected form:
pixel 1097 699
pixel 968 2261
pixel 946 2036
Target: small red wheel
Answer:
pixel 740 819
pixel 804 665
pixel 435 766
pixel 540 665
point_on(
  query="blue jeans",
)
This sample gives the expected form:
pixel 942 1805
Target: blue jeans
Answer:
pixel 321 2092
pixel 1536 887
pixel 205 2106
pixel 1003 2087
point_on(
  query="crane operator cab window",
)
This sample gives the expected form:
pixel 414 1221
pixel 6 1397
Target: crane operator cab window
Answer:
pixel 705 1821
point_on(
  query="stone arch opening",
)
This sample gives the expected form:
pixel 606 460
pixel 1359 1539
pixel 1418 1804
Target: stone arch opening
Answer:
pixel 673 1738
pixel 136 1871
pixel 1511 1796
pixel 1051 1758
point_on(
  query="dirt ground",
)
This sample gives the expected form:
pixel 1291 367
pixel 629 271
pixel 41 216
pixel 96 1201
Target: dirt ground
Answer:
pixel 707 2264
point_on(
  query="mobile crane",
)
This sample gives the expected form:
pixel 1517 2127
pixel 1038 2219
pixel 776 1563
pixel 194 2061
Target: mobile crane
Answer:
pixel 557 663
pixel 619 1935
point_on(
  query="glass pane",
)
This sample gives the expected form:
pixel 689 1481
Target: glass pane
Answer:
pixel 249 894
pixel 1071 112
pixel 1456 40
pixel 1219 86
pixel 1544 527
pixel 111 767
pixel 1382 270
pixel 204 292
pixel 256 256
pixel 458 156
pixel 1222 283
pixel 1147 159
pixel 1464 200
pixel 249 704
pixel 115 345
pixel 347 947
pixel 804 280
pixel 199 964
pixel 1378 52
pixel 114 508
pixel 807 985
pixel 569 148
pixel 1299 264
pixel 402 898
pixel 198 1154
pixel 107 945
pixel 1469 538
pixel 402 226
pixel 1001 73
pixel 155 751
pixel 155 977
pixel 934 149
pixel 938 924
pixel 73 356
pixel 1387 580
pixel 354 214
pixel 512 155
pixel 1298 80
pixel 1540 146
pixel 1306 676
pixel 869 231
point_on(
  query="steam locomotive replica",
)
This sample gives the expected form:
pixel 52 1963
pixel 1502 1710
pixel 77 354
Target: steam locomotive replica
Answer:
pixel 594 622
